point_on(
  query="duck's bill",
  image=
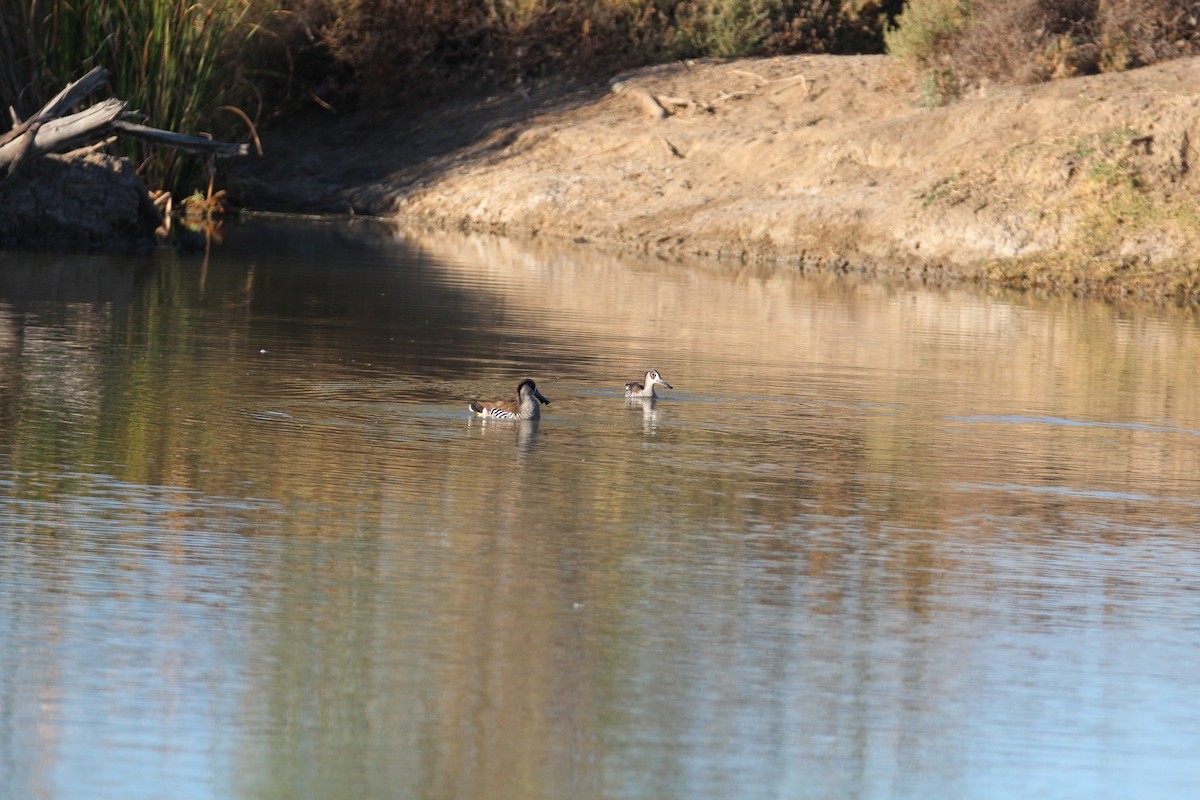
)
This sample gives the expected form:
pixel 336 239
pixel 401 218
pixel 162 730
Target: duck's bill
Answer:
pixel 538 395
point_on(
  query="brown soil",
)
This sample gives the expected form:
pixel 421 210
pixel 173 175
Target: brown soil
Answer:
pixel 822 161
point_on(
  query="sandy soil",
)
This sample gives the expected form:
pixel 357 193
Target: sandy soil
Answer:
pixel 822 161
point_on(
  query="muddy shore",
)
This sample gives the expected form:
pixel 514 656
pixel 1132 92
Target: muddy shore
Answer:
pixel 826 162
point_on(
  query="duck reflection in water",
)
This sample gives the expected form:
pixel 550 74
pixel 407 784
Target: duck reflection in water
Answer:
pixel 649 413
pixel 524 432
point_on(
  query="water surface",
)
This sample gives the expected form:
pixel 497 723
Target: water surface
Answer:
pixel 879 541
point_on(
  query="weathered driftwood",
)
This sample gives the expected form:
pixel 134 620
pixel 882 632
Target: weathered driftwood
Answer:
pixel 192 144
pixel 71 95
pixel 49 131
pixel 73 130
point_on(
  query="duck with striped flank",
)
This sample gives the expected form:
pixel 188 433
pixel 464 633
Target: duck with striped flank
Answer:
pixel 525 407
pixel 653 378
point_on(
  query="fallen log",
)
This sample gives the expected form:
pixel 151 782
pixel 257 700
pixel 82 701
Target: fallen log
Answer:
pixel 64 133
pixel 72 95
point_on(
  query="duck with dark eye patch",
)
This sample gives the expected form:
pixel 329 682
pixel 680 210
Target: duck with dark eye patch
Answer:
pixel 653 378
pixel 524 407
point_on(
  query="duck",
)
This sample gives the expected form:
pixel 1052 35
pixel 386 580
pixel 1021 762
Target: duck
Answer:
pixel 635 389
pixel 525 407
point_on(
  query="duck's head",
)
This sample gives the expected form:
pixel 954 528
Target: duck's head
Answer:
pixel 653 377
pixel 528 387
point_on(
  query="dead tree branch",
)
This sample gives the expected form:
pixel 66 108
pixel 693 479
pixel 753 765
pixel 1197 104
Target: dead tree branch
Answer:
pixel 51 130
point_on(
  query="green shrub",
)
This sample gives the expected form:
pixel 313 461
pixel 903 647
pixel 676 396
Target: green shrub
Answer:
pixel 924 30
pixel 721 28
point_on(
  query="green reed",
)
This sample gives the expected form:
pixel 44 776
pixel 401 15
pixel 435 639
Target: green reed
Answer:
pixel 181 63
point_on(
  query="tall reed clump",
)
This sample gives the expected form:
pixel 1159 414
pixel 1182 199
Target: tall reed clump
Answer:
pixel 181 63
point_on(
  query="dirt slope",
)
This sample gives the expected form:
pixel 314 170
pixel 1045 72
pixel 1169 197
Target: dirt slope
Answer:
pixel 826 161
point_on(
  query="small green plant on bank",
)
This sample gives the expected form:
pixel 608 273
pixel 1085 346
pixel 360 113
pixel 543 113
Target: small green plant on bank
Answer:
pixel 1115 191
pixel 940 189
pixel 180 63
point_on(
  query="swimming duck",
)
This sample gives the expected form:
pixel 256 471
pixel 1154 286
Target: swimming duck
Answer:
pixel 525 407
pixel 635 389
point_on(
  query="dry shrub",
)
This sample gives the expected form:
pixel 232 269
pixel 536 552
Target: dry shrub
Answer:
pixel 861 24
pixel 402 47
pixel 828 26
pixel 1025 41
pixel 422 47
pixel 968 43
pixel 1137 33
pixel 403 44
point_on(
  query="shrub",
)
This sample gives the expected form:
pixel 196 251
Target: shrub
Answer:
pixel 405 46
pixel 721 28
pixel 957 44
pixel 921 37
pixel 924 29
pixel 1025 41
pixel 1136 33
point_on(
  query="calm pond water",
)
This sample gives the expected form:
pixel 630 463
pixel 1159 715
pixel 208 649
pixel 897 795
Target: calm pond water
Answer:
pixel 879 541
